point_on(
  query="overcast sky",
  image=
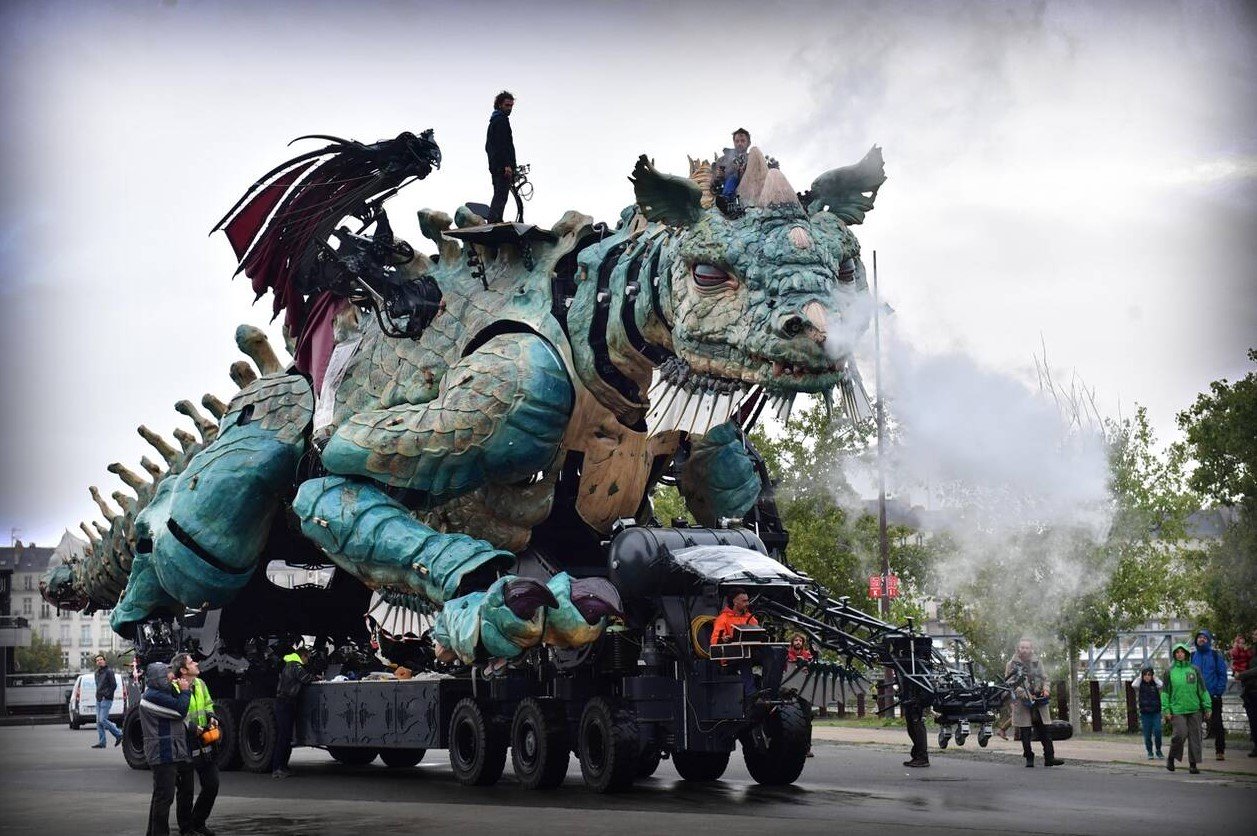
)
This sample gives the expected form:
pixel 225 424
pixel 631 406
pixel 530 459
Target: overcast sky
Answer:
pixel 1080 175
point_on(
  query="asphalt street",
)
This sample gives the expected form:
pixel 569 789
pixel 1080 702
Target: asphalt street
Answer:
pixel 51 782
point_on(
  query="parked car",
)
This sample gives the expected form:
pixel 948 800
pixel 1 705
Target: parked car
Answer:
pixel 82 704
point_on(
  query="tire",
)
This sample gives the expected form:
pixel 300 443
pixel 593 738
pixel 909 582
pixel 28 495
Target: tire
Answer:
pixel 258 735
pixel 354 755
pixel 539 744
pixel 227 750
pixel 133 740
pixel 700 766
pixel 608 746
pixel 789 731
pixel 648 762
pixel 477 745
pixel 402 758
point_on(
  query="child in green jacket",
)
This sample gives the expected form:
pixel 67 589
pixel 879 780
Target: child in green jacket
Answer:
pixel 1185 698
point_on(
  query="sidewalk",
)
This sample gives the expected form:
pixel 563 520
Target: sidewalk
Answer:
pixel 1096 748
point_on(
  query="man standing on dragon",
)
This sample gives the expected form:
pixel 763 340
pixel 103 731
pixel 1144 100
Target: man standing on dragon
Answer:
pixel 499 145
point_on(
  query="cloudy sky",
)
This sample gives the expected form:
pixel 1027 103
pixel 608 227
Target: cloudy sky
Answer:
pixel 1080 176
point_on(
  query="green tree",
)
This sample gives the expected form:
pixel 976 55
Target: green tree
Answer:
pixel 1221 432
pixel 42 656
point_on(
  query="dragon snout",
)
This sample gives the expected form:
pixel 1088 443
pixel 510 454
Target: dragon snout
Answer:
pixel 808 321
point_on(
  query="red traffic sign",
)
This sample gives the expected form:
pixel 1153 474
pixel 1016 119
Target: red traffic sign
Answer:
pixel 891 586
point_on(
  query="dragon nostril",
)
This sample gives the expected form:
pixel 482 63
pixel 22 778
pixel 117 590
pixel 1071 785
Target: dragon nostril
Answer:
pixel 793 326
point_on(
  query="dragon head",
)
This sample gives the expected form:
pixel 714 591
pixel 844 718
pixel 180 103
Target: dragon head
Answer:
pixel 768 289
pixel 58 587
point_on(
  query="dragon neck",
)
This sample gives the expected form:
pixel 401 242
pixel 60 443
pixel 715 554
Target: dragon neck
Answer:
pixel 619 322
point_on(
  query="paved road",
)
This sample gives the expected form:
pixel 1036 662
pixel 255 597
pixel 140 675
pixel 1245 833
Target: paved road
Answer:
pixel 52 783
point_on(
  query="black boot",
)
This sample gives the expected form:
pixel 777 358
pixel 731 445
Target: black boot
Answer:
pixel 1030 762
pixel 1192 768
pixel 1169 763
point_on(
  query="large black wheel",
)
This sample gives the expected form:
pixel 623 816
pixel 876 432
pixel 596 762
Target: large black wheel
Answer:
pixel 227 749
pixel 700 766
pixel 402 758
pixel 259 734
pixel 477 745
pixel 777 756
pixel 133 740
pixel 608 746
pixel 648 762
pixel 539 744
pixel 354 755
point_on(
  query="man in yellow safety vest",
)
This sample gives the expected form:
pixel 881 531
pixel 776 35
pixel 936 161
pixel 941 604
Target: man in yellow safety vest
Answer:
pixel 192 817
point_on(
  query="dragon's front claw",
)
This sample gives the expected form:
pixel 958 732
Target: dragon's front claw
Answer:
pixel 524 596
pixel 596 599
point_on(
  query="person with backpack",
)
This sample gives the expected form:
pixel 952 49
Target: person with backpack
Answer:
pixel 1148 696
pixel 1212 665
pixel 1186 700
pixel 163 708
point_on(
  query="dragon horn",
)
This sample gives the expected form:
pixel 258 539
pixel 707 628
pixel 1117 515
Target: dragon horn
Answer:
pixel 216 407
pixel 253 342
pixel 109 513
pixel 186 440
pixel 132 480
pixel 207 428
pixel 752 182
pixel 242 373
pixel 92 540
pixel 127 503
pixel 152 467
pixel 170 454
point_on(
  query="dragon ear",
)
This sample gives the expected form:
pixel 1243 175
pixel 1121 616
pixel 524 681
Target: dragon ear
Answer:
pixel 848 192
pixel 677 201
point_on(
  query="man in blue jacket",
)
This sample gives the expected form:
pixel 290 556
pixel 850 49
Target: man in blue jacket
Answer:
pixel 1212 666
pixel 162 712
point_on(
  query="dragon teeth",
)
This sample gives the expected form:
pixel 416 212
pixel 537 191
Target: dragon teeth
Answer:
pixel 783 406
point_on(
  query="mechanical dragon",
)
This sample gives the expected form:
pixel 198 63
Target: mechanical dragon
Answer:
pixel 460 431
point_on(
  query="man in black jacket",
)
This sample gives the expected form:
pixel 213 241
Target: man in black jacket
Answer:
pixel 293 677
pixel 105 686
pixel 500 146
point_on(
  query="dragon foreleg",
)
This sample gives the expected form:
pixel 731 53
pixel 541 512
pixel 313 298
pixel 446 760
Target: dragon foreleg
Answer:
pixel 373 537
pixel 719 480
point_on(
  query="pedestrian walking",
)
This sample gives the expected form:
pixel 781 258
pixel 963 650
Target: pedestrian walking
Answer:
pixel 1212 665
pixel 1186 700
pixel 106 685
pixel 1247 679
pixel 1148 692
pixel 1030 702
pixel 162 711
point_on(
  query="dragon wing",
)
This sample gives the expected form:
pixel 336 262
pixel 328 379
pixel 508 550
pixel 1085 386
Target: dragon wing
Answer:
pixel 280 225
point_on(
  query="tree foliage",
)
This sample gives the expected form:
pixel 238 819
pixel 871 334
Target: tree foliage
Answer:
pixel 1221 431
pixel 42 656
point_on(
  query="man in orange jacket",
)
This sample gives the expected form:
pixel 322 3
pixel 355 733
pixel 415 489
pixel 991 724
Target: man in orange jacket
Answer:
pixel 736 615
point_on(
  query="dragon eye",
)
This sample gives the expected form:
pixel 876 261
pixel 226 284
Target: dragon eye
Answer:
pixel 708 275
pixel 846 271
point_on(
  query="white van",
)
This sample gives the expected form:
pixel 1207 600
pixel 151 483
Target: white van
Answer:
pixel 82 706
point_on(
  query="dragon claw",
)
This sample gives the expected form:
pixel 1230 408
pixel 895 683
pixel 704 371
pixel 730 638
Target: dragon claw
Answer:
pixel 524 596
pixel 596 599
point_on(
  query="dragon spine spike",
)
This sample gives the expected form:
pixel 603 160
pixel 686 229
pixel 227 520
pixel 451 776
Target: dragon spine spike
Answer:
pixel 101 532
pixel 131 479
pixel 109 513
pixel 92 539
pixel 186 440
pixel 254 343
pixel 153 468
pixel 205 427
pixel 242 373
pixel 163 447
pixel 215 407
pixel 127 503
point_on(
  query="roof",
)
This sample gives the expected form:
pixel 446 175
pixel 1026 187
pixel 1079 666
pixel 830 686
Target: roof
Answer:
pixel 19 558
